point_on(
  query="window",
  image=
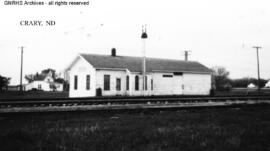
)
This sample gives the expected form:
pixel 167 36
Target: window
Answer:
pixel 152 84
pixel 136 82
pixel 107 82
pixel 75 82
pixel 127 83
pixel 39 87
pixel 167 76
pixel 87 82
pixel 178 73
pixel 118 84
pixel 145 82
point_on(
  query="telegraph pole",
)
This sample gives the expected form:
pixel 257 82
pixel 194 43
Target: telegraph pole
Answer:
pixel 258 66
pixel 144 37
pixel 21 88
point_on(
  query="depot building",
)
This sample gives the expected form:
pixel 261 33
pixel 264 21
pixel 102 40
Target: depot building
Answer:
pixel 111 75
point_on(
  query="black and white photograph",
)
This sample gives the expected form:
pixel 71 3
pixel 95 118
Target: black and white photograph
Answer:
pixel 144 75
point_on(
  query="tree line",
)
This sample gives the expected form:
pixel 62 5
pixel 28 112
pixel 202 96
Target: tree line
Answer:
pixel 221 80
pixel 4 82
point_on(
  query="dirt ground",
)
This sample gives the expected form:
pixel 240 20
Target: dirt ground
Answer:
pixel 246 128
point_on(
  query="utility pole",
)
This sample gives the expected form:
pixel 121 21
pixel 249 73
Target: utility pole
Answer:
pixel 186 54
pixel 144 37
pixel 21 88
pixel 258 67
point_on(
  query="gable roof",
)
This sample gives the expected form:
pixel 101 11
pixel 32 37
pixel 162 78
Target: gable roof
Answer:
pixel 40 77
pixel 134 64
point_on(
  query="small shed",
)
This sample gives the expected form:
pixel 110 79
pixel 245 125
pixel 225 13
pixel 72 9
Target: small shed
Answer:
pixel 267 85
pixel 251 85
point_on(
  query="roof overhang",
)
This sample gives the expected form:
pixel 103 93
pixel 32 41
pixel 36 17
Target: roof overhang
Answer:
pixel 72 63
pixel 113 69
pixel 75 60
pixel 191 72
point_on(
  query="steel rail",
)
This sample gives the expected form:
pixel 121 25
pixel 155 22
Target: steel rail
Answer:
pixel 124 97
pixel 125 101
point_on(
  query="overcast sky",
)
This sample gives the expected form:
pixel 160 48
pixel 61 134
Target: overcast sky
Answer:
pixel 218 33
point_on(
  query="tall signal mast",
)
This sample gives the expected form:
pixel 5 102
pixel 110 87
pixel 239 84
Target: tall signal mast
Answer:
pixel 144 37
pixel 21 87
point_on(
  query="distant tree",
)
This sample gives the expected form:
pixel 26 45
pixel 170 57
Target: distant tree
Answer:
pixel 220 78
pixel 64 82
pixel 49 71
pixel 263 82
pixel 52 87
pixel 29 78
pixel 4 82
pixel 244 82
pixel 59 80
pixel 241 83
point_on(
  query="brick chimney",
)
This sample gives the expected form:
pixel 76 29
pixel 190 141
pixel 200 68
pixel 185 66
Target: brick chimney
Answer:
pixel 113 52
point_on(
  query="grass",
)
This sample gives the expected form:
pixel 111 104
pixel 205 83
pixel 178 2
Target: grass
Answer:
pixel 206 129
pixel 44 94
pixel 32 94
pixel 243 91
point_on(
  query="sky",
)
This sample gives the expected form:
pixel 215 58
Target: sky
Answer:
pixel 218 33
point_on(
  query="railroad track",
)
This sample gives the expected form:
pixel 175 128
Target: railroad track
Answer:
pixel 75 104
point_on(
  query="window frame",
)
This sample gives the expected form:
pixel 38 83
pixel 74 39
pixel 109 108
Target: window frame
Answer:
pixel 39 87
pixel 152 84
pixel 145 82
pixel 137 83
pixel 88 77
pixel 107 82
pixel 75 87
pixel 127 83
pixel 167 76
pixel 118 84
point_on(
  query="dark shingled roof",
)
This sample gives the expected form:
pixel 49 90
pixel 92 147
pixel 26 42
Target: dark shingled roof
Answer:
pixel 134 64
pixel 39 77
